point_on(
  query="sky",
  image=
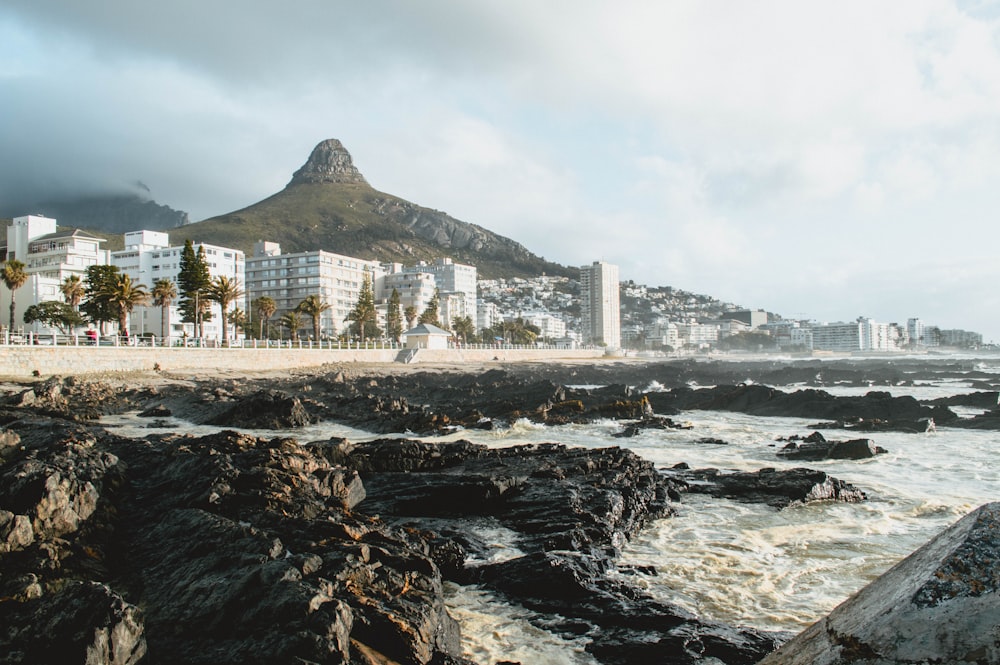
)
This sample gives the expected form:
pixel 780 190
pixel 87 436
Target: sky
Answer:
pixel 822 160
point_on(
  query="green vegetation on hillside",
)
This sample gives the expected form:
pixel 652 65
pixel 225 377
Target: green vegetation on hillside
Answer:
pixel 355 220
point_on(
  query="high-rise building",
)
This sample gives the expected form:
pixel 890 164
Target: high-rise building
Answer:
pixel 600 307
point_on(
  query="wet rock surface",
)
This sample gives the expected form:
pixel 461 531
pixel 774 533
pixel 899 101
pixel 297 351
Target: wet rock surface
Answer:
pixel 816 447
pixel 893 413
pixel 777 488
pixel 233 549
pixel 571 510
pixel 222 549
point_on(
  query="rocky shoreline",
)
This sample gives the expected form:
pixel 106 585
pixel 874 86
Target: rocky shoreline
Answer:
pixel 229 548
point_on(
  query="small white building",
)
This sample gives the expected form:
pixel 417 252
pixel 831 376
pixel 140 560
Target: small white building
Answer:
pixel 427 336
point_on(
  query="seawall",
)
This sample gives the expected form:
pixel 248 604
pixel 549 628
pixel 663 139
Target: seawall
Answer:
pixel 19 362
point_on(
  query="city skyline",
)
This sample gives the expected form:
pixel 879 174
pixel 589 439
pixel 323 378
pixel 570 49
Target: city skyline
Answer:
pixel 808 159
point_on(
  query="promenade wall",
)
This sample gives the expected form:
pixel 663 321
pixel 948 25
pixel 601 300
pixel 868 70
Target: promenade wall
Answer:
pixel 22 361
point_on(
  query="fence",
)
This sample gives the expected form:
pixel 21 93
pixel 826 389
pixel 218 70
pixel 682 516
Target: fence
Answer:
pixel 43 355
pixel 52 339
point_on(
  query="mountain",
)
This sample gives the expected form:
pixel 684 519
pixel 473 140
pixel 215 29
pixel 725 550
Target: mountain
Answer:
pixel 329 205
pixel 110 213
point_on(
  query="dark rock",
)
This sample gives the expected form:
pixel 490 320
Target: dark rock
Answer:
pixel 266 409
pixel 758 400
pixel 555 497
pixel 815 447
pixel 769 486
pixel 571 509
pixel 238 550
pixel 986 399
pixel 650 422
pixel 82 622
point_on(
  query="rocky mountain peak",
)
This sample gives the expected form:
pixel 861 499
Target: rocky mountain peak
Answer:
pixel 329 163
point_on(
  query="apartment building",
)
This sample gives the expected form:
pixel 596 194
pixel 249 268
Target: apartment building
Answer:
pixel 148 257
pixel 600 304
pixel 290 278
pixel 49 256
pixel 456 285
pixel 415 289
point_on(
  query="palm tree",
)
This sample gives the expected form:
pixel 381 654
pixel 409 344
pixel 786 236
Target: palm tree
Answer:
pixel 292 320
pixel 124 295
pixel 266 307
pixel 73 291
pixel 464 328
pixel 224 290
pixel 239 319
pixel 410 313
pixel 14 276
pixel 313 307
pixel 164 293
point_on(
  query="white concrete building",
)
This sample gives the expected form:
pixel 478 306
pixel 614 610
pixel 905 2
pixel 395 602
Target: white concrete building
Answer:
pixel 148 257
pixel 488 314
pixel 699 335
pixel 291 278
pixel 49 256
pixel 551 327
pixel 415 289
pixel 452 279
pixel 600 304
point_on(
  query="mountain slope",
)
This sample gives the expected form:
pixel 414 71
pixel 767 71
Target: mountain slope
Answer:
pixel 329 205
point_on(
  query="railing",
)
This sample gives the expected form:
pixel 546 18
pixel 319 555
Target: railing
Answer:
pixel 8 338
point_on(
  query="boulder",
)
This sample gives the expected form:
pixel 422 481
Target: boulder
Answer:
pixel 265 409
pixel 941 604
pixel 816 447
pixel 769 486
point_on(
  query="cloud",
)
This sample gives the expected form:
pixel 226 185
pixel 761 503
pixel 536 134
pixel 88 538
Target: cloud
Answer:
pixel 760 152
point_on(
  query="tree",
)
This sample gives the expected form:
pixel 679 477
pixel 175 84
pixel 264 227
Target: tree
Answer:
pixel 14 276
pixel 95 302
pixel 394 317
pixel 518 331
pixel 224 290
pixel 313 307
pixel 464 328
pixel 54 314
pixel 164 293
pixel 265 308
pixel 364 315
pixel 411 316
pixel 292 320
pixel 239 319
pixel 124 295
pixel 73 291
pixel 193 281
pixel 430 314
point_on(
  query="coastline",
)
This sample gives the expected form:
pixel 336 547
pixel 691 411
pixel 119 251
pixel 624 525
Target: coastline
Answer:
pixel 222 478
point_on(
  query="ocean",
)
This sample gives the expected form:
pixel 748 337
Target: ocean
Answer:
pixel 739 563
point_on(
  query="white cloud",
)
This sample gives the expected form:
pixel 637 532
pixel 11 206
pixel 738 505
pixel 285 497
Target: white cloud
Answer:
pixel 773 150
